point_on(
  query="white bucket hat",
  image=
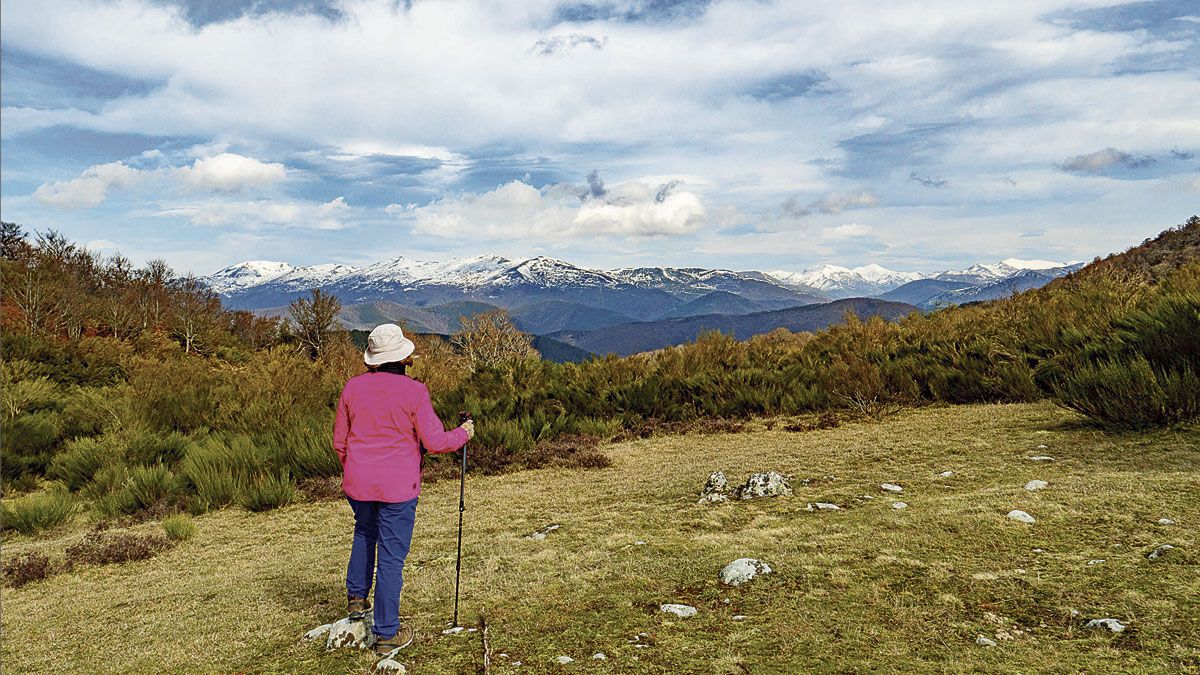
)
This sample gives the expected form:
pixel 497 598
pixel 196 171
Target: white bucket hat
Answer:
pixel 386 344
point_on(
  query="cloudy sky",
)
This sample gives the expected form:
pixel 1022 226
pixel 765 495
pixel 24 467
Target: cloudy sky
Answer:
pixel 745 134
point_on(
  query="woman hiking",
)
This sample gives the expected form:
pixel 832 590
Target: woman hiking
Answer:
pixel 383 419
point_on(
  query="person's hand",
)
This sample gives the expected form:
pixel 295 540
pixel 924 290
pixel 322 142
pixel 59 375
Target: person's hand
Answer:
pixel 469 425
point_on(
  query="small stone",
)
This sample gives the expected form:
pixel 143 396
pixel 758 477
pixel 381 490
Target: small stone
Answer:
pixel 1097 561
pixel 946 474
pixel 472 630
pixel 1021 516
pixel 992 617
pixel 390 666
pixel 1037 485
pixel 639 542
pixel 891 487
pixel 1041 447
pixel 1074 613
pixel 742 570
pixel 453 631
pixel 1041 458
pixel 564 660
pixel 985 642
pixel 769 484
pixel 599 656
pixel 1159 551
pixel 1038 550
pixel 681 611
pixel 739 617
pixel 714 498
pixel 502 655
pixel 541 534
pixel 1165 521
pixel 347 634
pixel 899 506
pixel 865 497
pixel 823 506
pixel 1108 623
pixel 317 633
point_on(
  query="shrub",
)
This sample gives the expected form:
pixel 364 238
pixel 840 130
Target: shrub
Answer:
pixel 36 512
pixel 150 486
pixel 29 440
pixel 305 449
pixel 217 469
pixel 154 448
pixel 179 527
pixel 1130 394
pixel 268 492
pixel 77 465
pixel 101 548
pixel 30 395
pixel 22 569
pixel 321 489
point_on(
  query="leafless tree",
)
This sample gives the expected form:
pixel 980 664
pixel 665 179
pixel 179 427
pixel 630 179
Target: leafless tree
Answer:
pixel 491 339
pixel 316 320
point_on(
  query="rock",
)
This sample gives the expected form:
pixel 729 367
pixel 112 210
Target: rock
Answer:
pixel 1097 561
pixel 1039 550
pixel 639 542
pixel 739 617
pixel 822 506
pixel 390 666
pixel 863 498
pixel 541 534
pixel 681 611
pixel 599 656
pixel 347 634
pixel 1003 635
pixel 1037 485
pixel 1165 521
pixel 769 484
pixel 899 506
pixel 714 498
pixel 985 642
pixel 564 660
pixel 946 474
pixel 453 631
pixel 742 570
pixel 716 483
pixel 1159 551
pixel 891 487
pixel 1041 458
pixel 1021 516
pixel 1108 623
pixel 317 633
pixel 1042 447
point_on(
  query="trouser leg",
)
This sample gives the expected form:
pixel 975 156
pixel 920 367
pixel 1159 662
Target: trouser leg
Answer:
pixel 361 568
pixel 395 536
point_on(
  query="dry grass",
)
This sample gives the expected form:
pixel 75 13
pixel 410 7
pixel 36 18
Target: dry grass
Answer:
pixel 867 588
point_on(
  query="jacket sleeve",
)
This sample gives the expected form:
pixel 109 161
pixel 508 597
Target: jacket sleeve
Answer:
pixel 341 429
pixel 429 427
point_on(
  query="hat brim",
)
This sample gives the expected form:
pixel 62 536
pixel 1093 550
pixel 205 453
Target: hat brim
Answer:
pixel 401 352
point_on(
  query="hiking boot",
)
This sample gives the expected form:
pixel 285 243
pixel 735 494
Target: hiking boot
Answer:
pixel 402 638
pixel 357 608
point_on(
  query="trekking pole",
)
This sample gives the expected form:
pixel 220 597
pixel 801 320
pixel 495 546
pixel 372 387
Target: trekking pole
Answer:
pixel 462 493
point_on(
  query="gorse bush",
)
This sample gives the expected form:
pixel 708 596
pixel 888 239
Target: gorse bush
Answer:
pixel 270 491
pixel 78 463
pixel 179 527
pixel 151 448
pixel 36 512
pixel 29 441
pixel 1131 394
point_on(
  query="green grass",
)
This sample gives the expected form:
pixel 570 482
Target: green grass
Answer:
pixel 863 589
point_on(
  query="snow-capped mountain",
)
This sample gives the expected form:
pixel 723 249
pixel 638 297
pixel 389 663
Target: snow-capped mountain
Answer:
pixel 691 283
pixel 842 282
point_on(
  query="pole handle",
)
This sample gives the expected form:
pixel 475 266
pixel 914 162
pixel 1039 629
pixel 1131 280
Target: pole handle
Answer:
pixel 463 416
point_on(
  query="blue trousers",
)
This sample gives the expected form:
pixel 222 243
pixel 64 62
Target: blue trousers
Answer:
pixel 387 527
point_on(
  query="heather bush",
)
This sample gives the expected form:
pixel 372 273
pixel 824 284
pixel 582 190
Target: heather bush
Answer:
pixel 106 548
pixel 26 568
pixel 36 512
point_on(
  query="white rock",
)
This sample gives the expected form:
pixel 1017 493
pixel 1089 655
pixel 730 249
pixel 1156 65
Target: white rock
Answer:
pixel 681 611
pixel 599 656
pixel 347 634
pixel 716 483
pixel 899 506
pixel 946 474
pixel 769 484
pixel 891 487
pixel 541 534
pixel 823 506
pixel 1041 458
pixel 1038 550
pixel 985 642
pixel 1108 623
pixel 453 631
pixel 1021 516
pixel 1042 447
pixel 1037 485
pixel 390 666
pixel 1165 521
pixel 317 633
pixel 742 570
pixel 1097 561
pixel 564 660
pixel 713 498
pixel 1159 551
pixel 739 617
pixel 639 542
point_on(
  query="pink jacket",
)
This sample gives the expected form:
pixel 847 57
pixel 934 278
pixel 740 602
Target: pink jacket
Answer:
pixel 381 419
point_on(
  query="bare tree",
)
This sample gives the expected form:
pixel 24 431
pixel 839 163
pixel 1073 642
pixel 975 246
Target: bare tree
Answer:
pixel 197 314
pixel 491 339
pixel 316 320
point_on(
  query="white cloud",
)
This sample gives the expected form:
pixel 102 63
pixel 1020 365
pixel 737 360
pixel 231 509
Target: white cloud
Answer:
pixel 262 214
pixel 847 231
pixel 228 171
pixel 516 209
pixel 90 188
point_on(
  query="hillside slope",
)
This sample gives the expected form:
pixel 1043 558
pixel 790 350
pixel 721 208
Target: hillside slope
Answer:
pixel 863 589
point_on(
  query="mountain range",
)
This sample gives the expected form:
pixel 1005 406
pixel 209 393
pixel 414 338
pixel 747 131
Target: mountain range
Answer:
pixel 648 307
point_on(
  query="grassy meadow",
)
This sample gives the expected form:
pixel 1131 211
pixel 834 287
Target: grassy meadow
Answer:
pixel 868 588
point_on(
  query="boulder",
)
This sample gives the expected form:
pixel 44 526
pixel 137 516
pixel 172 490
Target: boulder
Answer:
pixel 1159 551
pixel 542 533
pixel 1165 521
pixel 1036 485
pixel 347 634
pixel 1021 516
pixel 317 633
pixel 891 487
pixel 768 484
pixel 899 506
pixel 716 483
pixel 681 611
pixel 742 570
pixel 390 666
pixel 1106 624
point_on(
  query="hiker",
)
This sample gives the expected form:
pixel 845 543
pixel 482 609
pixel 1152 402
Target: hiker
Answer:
pixel 383 419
